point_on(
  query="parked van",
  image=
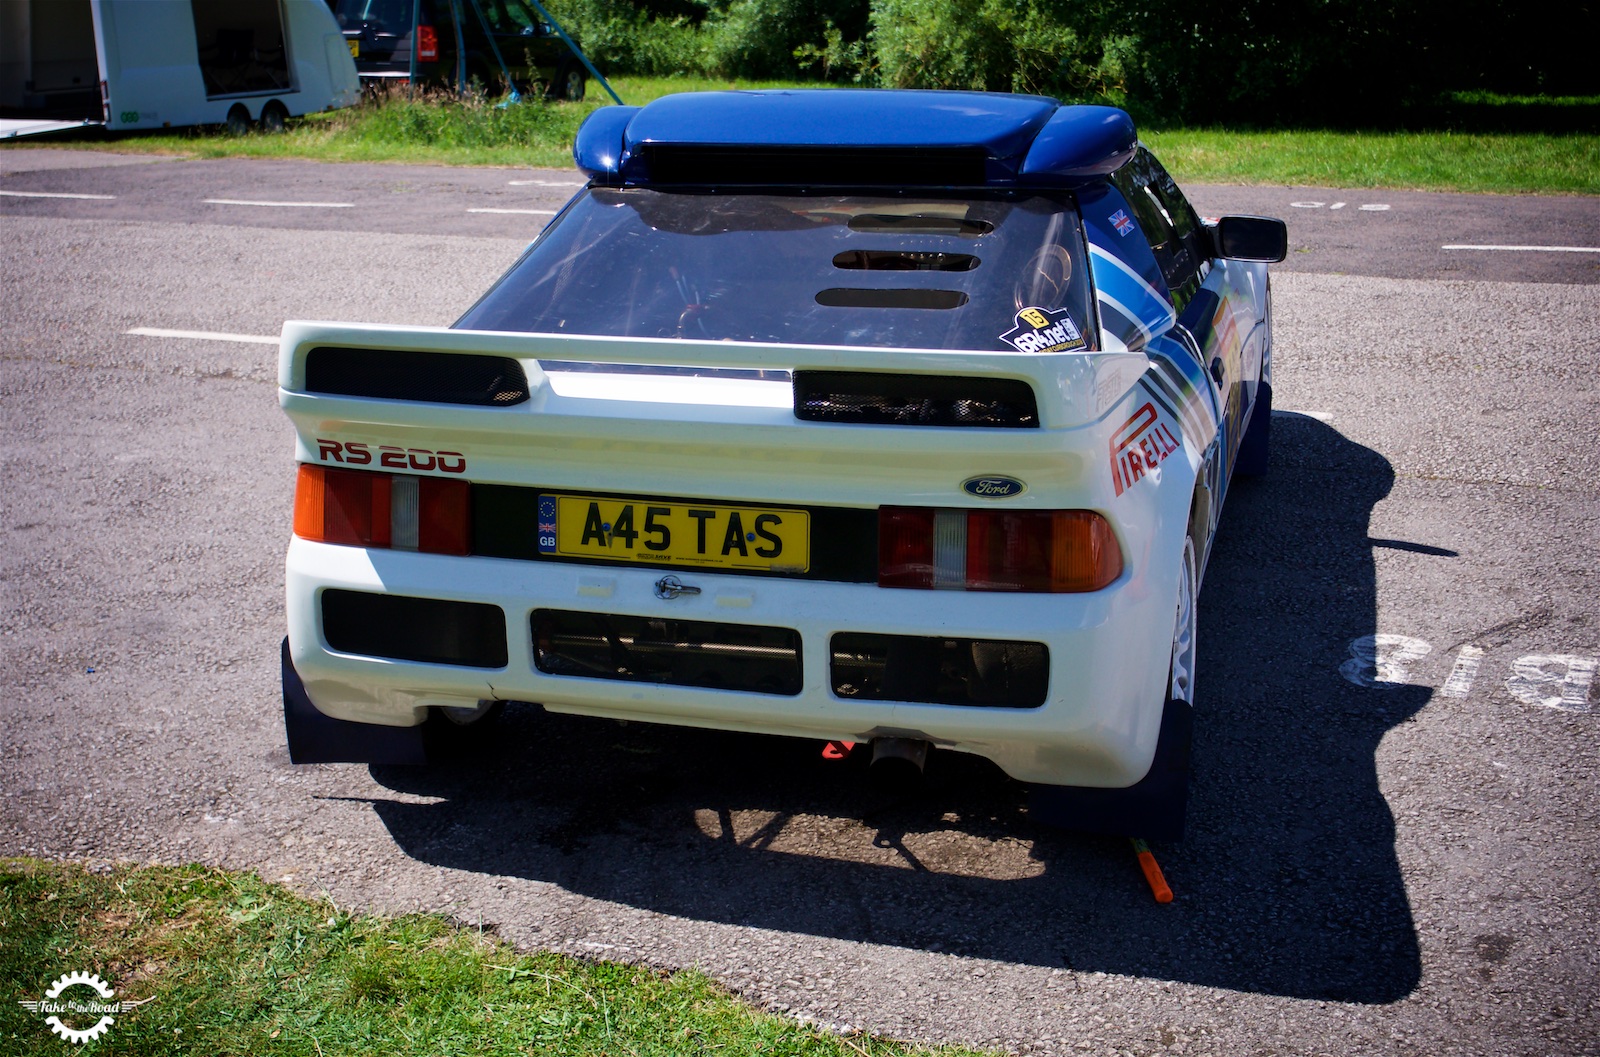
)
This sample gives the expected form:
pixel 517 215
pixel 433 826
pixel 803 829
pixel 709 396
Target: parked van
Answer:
pixel 131 64
pixel 414 42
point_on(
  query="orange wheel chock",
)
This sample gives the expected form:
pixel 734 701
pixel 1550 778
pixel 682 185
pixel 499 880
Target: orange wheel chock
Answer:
pixel 1152 872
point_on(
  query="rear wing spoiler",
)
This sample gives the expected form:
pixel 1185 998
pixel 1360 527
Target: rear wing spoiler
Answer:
pixel 1070 389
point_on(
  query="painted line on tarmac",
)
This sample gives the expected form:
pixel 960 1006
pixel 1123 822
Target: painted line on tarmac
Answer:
pixel 533 212
pixel 545 183
pixel 1526 249
pixel 56 194
pixel 203 335
pixel 279 205
pixel 1320 416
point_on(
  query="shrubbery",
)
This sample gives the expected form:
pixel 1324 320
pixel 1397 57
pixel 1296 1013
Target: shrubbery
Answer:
pixel 1346 62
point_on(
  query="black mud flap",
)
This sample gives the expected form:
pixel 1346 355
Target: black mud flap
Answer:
pixel 316 738
pixel 1152 808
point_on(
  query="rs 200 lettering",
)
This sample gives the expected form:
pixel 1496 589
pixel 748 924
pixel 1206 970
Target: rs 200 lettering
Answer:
pixel 390 457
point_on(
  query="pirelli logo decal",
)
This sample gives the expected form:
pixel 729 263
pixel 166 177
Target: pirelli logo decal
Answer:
pixel 1140 445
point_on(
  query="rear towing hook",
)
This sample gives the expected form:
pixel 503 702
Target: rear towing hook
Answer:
pixel 671 587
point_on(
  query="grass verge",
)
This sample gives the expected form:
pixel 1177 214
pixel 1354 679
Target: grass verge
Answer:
pixel 228 964
pixel 441 130
pixel 1500 162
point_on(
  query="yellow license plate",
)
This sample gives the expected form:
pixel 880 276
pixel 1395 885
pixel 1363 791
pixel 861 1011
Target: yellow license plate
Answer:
pixel 355 49
pixel 703 535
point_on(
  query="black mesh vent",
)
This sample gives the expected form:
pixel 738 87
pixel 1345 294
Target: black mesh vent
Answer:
pixel 430 377
pixel 814 167
pixel 678 652
pixel 914 400
pixel 939 671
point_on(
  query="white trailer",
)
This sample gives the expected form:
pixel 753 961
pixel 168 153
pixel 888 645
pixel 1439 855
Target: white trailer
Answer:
pixel 136 64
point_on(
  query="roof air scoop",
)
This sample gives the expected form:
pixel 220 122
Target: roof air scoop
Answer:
pixel 1080 143
pixel 599 149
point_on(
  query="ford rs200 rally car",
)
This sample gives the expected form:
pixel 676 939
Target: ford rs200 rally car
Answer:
pixel 889 417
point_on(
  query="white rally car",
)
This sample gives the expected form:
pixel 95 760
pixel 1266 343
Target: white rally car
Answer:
pixel 900 418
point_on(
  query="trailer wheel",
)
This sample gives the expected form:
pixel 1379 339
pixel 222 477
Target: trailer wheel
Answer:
pixel 238 120
pixel 273 116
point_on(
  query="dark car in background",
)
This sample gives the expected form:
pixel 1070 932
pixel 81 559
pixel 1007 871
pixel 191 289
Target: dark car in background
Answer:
pixel 382 38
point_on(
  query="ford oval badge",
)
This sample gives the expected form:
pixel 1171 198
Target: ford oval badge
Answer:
pixel 993 486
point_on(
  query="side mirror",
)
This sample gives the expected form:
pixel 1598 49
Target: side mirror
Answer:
pixel 1244 238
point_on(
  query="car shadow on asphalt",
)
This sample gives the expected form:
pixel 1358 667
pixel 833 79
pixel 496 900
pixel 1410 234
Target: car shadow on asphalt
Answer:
pixel 1287 880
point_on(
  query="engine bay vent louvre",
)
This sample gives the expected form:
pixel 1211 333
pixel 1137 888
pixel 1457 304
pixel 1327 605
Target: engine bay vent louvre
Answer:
pixel 426 377
pixel 814 167
pixel 699 653
pixel 914 400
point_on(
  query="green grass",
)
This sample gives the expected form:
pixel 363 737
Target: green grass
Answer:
pixel 1506 163
pixel 443 131
pixel 231 965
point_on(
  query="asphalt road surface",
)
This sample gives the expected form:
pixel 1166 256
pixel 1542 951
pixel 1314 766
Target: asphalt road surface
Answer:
pixel 1393 833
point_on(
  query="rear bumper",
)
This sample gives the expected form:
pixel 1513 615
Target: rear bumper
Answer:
pixel 1098 725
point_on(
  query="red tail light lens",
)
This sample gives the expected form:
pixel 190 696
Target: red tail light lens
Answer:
pixel 980 550
pixel 403 512
pixel 905 547
pixel 443 516
pixel 427 44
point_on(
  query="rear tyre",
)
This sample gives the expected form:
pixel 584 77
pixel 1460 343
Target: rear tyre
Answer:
pixel 274 117
pixel 1154 807
pixel 1180 683
pixel 238 123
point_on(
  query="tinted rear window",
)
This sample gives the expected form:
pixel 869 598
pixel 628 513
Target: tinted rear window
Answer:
pixel 916 271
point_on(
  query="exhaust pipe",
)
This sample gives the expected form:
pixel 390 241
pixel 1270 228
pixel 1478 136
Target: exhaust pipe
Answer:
pixel 898 761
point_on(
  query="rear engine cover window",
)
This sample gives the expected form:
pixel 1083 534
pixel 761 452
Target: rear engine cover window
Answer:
pixel 920 271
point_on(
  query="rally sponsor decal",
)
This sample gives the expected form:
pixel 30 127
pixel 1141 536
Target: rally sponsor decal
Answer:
pixel 1184 394
pixel 1140 445
pixel 1044 330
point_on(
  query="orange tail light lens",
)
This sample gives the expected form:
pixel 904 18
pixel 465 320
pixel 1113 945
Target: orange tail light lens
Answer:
pixel 364 509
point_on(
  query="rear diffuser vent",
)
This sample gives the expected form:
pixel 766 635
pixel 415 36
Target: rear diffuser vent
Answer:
pixel 677 652
pixel 429 377
pixel 914 400
pixel 814 167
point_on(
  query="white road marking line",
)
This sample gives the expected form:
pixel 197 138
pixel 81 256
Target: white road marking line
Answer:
pixel 203 335
pixel 1526 249
pixel 1465 670
pixel 535 212
pixel 279 205
pixel 545 183
pixel 56 194
pixel 1307 205
pixel 1336 205
pixel 1320 416
pixel 1376 208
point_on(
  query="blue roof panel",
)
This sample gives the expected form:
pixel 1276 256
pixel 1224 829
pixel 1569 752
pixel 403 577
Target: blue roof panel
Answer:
pixel 1003 125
